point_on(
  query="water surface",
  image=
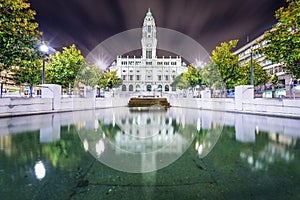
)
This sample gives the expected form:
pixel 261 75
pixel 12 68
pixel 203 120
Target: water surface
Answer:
pixel 142 154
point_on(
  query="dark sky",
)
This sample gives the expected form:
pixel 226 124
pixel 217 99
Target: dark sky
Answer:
pixel 88 22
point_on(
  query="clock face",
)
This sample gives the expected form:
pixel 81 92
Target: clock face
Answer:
pixel 148 45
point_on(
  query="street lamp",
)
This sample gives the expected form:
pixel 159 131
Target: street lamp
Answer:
pixel 44 49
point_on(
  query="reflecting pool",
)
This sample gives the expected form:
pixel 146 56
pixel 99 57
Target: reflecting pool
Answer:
pixel 153 153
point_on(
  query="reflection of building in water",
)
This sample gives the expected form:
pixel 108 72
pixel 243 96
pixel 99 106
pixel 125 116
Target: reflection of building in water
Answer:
pixel 146 132
pixel 278 148
pixel 148 73
pixel 6 144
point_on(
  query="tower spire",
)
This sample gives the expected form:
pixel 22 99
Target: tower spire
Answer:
pixel 149 41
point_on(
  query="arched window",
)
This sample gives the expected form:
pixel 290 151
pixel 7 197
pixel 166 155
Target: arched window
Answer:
pixel 137 88
pixel 166 88
pixel 159 88
pixel 149 88
pixel 123 87
pixel 130 87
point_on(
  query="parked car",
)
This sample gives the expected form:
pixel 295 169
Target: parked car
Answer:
pixel 230 93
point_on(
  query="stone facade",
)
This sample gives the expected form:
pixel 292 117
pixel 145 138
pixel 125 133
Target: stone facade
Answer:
pixel 148 73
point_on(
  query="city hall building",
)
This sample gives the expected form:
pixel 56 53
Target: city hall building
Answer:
pixel 148 72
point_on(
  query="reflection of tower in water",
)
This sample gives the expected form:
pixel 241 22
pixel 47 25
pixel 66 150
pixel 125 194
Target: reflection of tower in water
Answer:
pixel 148 133
pixel 145 132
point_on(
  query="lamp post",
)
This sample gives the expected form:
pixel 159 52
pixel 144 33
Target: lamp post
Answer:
pixel 251 64
pixel 44 49
pixel 251 68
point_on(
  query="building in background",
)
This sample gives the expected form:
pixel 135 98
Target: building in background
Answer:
pixel 148 72
pixel 244 53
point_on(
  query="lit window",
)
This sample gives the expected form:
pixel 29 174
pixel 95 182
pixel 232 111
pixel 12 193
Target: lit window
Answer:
pixel 148 54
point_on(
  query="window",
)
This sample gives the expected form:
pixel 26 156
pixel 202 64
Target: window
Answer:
pixel 149 88
pixel 149 78
pixel 137 77
pixel 138 88
pixel 124 77
pixel 149 29
pixel 130 87
pixel 159 77
pixel 167 77
pixel 131 77
pixel 159 63
pixel 159 88
pixel 166 63
pixel 148 54
pixel 123 87
pixel 166 88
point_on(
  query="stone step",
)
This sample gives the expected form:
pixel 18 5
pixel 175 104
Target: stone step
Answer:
pixel 147 102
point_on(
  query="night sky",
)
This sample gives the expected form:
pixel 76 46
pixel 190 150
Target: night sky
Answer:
pixel 87 23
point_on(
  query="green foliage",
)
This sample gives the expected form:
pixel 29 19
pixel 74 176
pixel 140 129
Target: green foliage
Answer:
pixel 190 78
pixel 283 40
pixel 212 77
pixel 88 75
pixel 19 37
pixel 109 80
pixel 226 62
pixel 109 130
pixel 180 82
pixel 274 80
pixel 29 73
pixel 64 66
pixel 193 76
pixel 260 75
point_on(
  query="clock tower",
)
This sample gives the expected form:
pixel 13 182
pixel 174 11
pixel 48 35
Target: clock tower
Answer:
pixel 149 41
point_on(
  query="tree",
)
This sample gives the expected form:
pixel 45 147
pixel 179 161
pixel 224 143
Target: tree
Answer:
pixel 19 37
pixel 88 75
pixel 261 77
pixel 28 73
pixel 274 81
pixel 64 66
pixel 190 78
pixel 180 82
pixel 226 62
pixel 109 80
pixel 193 76
pixel 212 77
pixel 283 40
